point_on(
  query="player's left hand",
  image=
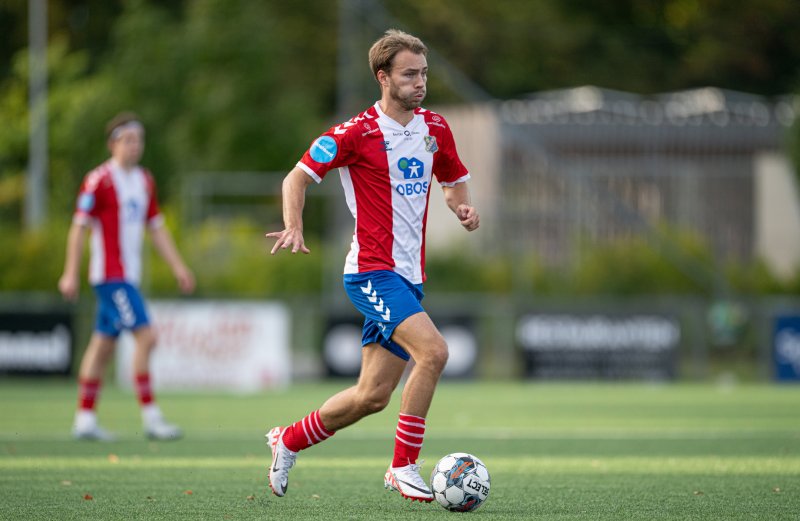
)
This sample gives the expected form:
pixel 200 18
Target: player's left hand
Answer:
pixel 468 216
pixel 185 278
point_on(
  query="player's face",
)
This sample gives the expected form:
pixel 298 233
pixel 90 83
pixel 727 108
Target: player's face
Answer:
pixel 128 147
pixel 407 79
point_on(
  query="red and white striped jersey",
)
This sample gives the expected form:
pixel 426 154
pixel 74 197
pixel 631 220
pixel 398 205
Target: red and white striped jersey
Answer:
pixel 116 205
pixel 386 171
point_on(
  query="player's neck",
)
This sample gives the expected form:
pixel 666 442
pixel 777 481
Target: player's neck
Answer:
pixel 125 167
pixel 396 112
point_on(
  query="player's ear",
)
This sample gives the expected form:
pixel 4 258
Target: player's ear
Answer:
pixel 383 78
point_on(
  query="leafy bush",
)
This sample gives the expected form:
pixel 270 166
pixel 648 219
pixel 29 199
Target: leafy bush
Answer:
pixel 232 259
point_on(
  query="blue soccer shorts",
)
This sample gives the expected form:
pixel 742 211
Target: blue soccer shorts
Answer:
pixel 385 299
pixel 120 306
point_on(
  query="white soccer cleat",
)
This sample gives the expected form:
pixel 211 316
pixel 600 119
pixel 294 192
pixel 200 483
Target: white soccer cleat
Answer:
pixel 282 461
pixel 156 427
pixel 160 429
pixel 408 482
pixel 92 433
pixel 86 427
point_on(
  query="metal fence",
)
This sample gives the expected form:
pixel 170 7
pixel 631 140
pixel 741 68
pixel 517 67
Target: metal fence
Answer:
pixel 602 165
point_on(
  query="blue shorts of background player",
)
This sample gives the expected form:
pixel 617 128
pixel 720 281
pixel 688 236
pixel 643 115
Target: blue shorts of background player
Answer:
pixel 120 306
pixel 385 299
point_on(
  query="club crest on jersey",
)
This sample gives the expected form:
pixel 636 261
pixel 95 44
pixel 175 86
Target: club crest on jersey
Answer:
pixel 412 168
pixel 430 144
pixel 133 211
pixel 324 149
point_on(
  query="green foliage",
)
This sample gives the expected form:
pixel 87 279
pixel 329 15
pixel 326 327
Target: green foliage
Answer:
pixel 32 261
pixel 228 260
pixel 681 264
pixel 215 88
pixel 674 262
pixel 513 47
pixel 232 259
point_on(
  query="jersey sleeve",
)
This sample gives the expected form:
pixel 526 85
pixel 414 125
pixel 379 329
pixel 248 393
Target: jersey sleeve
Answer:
pixel 447 166
pixel 91 198
pixel 333 149
pixel 154 216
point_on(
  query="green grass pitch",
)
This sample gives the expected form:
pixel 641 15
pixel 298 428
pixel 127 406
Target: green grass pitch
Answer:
pixel 555 451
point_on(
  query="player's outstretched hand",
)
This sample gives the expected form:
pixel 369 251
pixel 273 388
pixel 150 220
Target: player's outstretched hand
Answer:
pixel 288 238
pixel 468 216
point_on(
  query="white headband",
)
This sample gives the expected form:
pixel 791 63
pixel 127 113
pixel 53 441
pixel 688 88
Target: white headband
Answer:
pixel 125 126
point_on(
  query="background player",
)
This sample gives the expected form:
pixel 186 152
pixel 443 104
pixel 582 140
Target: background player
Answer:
pixel 117 201
pixel 386 158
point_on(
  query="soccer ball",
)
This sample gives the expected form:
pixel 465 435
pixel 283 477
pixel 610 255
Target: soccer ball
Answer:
pixel 460 482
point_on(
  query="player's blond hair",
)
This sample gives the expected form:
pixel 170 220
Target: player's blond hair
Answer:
pixel 383 51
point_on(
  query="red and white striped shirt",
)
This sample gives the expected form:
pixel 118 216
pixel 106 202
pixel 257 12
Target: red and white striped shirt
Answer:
pixel 117 204
pixel 386 171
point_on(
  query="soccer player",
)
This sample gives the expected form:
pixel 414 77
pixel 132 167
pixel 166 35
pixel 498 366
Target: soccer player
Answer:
pixel 117 201
pixel 386 158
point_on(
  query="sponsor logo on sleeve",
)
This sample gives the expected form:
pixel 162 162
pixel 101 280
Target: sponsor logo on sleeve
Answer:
pixel 324 149
pixel 86 202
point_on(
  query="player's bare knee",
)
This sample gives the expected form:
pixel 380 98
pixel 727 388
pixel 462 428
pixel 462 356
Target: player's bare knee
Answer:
pixel 439 356
pixel 146 339
pixel 433 357
pixel 374 400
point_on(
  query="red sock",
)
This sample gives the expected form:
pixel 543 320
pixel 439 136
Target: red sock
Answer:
pixel 88 391
pixel 143 389
pixel 408 440
pixel 305 433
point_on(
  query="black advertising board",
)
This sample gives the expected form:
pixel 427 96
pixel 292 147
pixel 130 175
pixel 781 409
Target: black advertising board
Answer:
pixel 36 342
pixel 599 345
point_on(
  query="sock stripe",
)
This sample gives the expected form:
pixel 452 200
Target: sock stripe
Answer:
pixel 411 434
pixel 313 432
pixel 305 427
pixel 312 429
pixel 405 442
pixel 408 439
pixel 319 429
pixel 412 424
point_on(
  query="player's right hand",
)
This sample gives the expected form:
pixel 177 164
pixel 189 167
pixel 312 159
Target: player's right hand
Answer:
pixel 290 237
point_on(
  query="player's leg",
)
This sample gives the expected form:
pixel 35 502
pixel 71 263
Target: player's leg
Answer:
pixel 391 305
pixel 90 380
pixel 155 426
pixel 380 373
pixel 419 337
pixel 93 365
